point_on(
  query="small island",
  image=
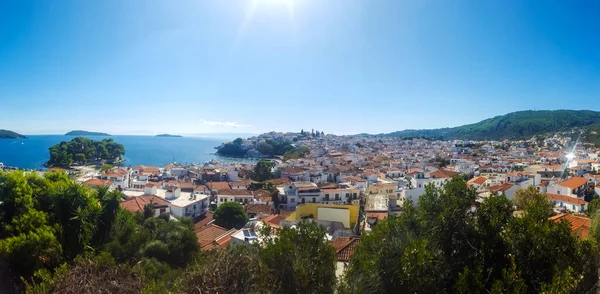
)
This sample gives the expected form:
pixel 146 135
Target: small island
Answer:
pixel 169 136
pixel 82 151
pixel 6 134
pixel 86 133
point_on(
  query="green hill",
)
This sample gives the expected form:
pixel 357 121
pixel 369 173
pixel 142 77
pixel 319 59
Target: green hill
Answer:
pixel 6 134
pixel 521 124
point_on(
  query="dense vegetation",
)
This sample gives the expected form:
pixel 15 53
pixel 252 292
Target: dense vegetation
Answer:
pixel 230 215
pixel 592 135
pixel 82 150
pixel 269 148
pixel 86 133
pixel 521 124
pixel 6 134
pixel 299 152
pixel 443 246
pixel 62 237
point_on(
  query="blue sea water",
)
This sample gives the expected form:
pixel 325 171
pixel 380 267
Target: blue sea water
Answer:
pixel 32 153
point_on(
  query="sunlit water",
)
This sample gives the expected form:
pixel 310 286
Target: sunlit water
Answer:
pixel 32 153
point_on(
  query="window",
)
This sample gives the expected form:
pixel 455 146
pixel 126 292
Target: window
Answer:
pixel 163 210
pixel 354 195
pixel 314 200
pixel 292 200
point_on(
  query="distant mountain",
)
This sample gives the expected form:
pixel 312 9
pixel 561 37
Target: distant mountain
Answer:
pixel 169 136
pixel 520 124
pixel 6 134
pixel 85 133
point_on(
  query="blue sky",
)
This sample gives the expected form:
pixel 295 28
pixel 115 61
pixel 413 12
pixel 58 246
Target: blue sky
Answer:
pixel 342 66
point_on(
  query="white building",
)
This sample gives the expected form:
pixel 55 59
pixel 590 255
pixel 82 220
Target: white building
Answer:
pixel 189 205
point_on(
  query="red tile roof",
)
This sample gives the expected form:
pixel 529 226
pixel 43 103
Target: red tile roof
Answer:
pixel 231 192
pixel 378 215
pixel 567 199
pixel 443 173
pixel 219 186
pixel 344 247
pixel 285 213
pixel 574 182
pixel 502 188
pixel 209 234
pixel 579 225
pixel 137 203
pixel 259 208
pixel 208 217
pixel 477 180
pixel 292 170
pixel 280 181
pixel 98 183
pixel 273 220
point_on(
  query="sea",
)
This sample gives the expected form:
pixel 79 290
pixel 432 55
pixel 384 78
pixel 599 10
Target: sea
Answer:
pixel 32 153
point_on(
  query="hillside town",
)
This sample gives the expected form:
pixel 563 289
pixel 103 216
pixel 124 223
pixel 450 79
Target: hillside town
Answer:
pixel 349 183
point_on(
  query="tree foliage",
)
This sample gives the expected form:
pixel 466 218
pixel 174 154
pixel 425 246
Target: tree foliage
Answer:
pixel 445 245
pixel 262 171
pixel 299 152
pixel 230 215
pixel 82 150
pixel 299 260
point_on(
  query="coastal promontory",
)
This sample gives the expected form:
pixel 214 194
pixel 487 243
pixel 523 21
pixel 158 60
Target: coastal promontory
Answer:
pixel 6 134
pixel 169 136
pixel 85 133
pixel 82 151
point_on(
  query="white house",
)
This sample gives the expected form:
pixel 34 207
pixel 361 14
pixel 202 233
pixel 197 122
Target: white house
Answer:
pixel 239 196
pixel 574 187
pixel 295 174
pixel 509 189
pixel 241 185
pixel 189 205
pixel 118 176
pixel 573 204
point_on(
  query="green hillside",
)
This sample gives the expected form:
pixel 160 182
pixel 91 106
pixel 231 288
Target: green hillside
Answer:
pixel 6 134
pixel 521 124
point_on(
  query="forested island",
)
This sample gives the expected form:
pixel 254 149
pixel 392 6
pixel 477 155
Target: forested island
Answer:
pixel 169 136
pixel 6 134
pixel 82 151
pixel 86 133
pixel 267 148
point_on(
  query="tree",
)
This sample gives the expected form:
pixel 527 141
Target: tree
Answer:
pixel 447 246
pixel 593 207
pixel 265 148
pixel 236 269
pixel 262 171
pixel 82 150
pixel 230 215
pixel 523 198
pixel 106 167
pixel 299 260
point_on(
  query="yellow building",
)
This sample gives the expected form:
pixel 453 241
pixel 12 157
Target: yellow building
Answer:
pixel 345 214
